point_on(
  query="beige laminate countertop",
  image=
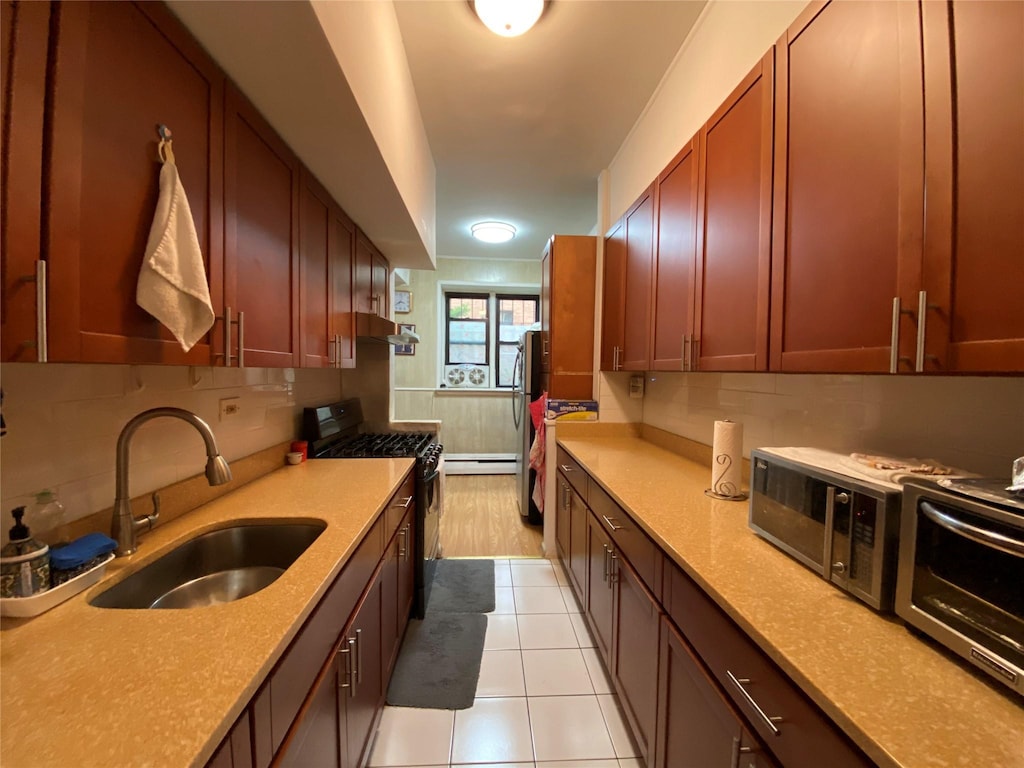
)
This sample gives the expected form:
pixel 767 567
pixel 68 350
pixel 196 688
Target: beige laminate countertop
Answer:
pixel 902 701
pixel 85 686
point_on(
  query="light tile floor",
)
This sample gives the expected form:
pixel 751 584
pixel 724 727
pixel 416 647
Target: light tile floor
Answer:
pixel 543 699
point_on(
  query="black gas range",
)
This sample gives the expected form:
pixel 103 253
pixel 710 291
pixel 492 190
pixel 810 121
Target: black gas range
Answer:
pixel 333 432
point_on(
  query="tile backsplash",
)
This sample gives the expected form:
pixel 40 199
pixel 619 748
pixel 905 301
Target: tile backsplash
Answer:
pixel 63 422
pixel 976 423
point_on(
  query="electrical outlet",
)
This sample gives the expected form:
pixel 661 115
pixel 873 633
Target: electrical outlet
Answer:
pixel 230 406
pixel 636 387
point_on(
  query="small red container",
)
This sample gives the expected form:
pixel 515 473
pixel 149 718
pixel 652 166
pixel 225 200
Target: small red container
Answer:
pixel 302 447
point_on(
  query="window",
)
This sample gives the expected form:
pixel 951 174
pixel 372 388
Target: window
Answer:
pixel 477 322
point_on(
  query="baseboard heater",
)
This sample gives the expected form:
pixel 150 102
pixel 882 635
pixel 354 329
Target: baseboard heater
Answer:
pixel 479 463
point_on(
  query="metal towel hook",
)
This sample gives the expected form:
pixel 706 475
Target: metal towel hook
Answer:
pixel 163 149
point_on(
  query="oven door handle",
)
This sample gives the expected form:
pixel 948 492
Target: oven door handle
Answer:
pixel 432 476
pixel 998 541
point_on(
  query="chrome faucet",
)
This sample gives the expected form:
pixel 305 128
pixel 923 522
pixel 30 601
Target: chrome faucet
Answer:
pixel 125 525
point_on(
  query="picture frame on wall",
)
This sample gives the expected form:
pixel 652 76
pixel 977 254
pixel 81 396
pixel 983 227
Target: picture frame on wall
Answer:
pixel 403 301
pixel 405 349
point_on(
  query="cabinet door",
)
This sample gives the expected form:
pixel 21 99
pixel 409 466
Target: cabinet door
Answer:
pixel 362 290
pixel 24 28
pixel 317 739
pixel 696 726
pixel 261 265
pixel 380 286
pixel 406 573
pixel 578 536
pixel 365 693
pixel 562 517
pixel 316 345
pixel 734 234
pixel 635 662
pixel 974 225
pixel 236 749
pixel 675 262
pixel 636 335
pixel 341 246
pixel 848 186
pixel 613 300
pixel 119 69
pixel 389 607
pixel 570 271
pixel 600 596
pixel 545 308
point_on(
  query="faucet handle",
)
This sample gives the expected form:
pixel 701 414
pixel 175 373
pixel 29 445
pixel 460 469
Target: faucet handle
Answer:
pixel 151 519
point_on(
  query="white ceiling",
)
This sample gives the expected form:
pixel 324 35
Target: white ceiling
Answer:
pixel 520 128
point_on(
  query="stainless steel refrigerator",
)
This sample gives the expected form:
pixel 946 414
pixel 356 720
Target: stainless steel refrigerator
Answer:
pixel 527 386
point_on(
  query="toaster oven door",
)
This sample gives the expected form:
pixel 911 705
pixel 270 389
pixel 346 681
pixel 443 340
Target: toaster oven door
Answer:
pixel 961 573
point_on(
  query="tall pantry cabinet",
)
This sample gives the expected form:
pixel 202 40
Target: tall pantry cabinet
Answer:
pixel 568 282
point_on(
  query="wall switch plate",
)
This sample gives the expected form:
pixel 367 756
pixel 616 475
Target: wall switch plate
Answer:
pixel 230 406
pixel 636 387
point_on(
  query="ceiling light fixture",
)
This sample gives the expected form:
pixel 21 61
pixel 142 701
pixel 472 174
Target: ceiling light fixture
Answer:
pixel 493 231
pixel 508 18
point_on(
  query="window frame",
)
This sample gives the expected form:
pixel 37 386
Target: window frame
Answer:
pixel 498 343
pixel 448 295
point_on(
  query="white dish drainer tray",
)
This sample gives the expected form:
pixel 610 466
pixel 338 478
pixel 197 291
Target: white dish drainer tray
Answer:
pixel 24 607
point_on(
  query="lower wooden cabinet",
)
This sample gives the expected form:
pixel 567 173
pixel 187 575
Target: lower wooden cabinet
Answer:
pixel 600 596
pixel 321 703
pixel 697 728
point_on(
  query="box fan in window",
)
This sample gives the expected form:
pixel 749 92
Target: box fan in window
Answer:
pixel 466 376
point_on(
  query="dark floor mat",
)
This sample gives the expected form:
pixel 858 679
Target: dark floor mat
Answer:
pixel 462 586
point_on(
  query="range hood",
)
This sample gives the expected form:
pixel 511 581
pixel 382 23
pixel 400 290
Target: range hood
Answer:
pixel 370 326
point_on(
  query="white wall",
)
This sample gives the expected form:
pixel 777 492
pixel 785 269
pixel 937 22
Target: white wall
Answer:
pixel 63 422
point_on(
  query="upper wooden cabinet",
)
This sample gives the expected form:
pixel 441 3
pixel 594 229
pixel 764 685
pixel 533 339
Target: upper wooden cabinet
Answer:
pixel 974 164
pixel 341 243
pixel 675 261
pixel 372 273
pixel 636 325
pixel 118 70
pixel 734 229
pixel 25 29
pixel 317 343
pixel 848 187
pixel 261 236
pixel 613 300
pixel 568 282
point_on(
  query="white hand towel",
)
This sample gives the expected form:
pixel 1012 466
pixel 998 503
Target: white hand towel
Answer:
pixel 172 283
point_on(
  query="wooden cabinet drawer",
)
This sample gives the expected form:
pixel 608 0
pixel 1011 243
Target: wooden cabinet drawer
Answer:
pixel 641 552
pixel 291 681
pixel 804 733
pixel 400 503
pixel 573 472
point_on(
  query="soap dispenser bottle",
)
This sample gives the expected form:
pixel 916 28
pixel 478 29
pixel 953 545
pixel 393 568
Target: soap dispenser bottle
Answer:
pixel 24 562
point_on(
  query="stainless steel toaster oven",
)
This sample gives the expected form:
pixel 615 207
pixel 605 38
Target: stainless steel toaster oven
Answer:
pixel 844 528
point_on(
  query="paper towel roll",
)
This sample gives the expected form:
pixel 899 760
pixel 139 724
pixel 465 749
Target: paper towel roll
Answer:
pixel 727 458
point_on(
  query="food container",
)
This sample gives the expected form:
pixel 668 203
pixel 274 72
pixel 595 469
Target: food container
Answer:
pixel 24 562
pixel 302 447
pixel 295 457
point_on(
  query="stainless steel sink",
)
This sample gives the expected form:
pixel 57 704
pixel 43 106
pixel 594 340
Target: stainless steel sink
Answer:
pixel 215 567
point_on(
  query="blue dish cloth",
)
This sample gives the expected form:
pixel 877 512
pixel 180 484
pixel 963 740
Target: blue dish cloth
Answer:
pixel 81 551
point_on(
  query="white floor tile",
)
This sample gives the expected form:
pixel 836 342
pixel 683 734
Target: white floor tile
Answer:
pixel 498 562
pixel 506 765
pixel 503 600
pixel 533 576
pixel 502 632
pixel 570 600
pixel 539 600
pixel 596 669
pixel 409 736
pixel 501 674
pixel 493 730
pixel 577 764
pixel 539 562
pixel 502 574
pixel 560 577
pixel 579 625
pixel 546 630
pixel 632 762
pixel 569 728
pixel 617 727
pixel 556 673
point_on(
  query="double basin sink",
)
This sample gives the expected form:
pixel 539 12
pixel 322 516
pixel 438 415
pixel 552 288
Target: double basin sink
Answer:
pixel 215 567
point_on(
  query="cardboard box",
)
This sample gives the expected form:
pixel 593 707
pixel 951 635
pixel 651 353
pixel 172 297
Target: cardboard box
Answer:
pixel 572 410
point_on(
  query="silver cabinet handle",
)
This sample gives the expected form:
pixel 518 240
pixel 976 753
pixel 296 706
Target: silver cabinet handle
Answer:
pixel 922 328
pixel 332 351
pixel 228 322
pixel 997 541
pixel 405 504
pixel 566 468
pixel 358 662
pixel 227 337
pixel 894 337
pixel 737 750
pixel 606 562
pixel 353 673
pixel 346 651
pixel 401 542
pixel 686 352
pixel 613 569
pixel 42 351
pixel 769 721
pixel 241 339
pixel 611 523
pixel 566 498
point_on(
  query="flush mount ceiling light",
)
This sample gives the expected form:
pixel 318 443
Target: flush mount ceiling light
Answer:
pixel 508 18
pixel 493 231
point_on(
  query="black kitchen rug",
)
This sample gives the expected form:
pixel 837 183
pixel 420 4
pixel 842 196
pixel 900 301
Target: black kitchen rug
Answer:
pixel 439 664
pixel 462 586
